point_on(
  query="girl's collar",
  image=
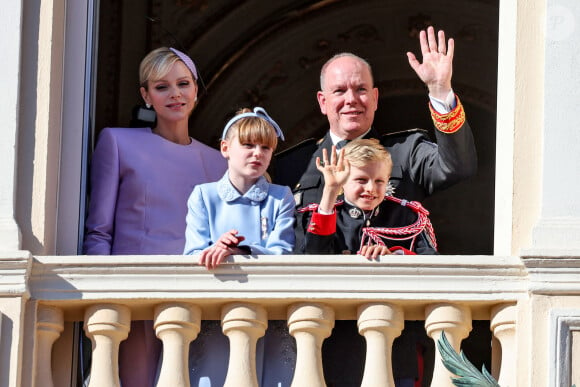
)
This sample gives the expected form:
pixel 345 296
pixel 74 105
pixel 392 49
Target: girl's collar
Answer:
pixel 257 192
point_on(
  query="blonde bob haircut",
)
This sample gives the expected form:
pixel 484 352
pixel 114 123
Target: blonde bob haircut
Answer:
pixel 363 151
pixel 157 64
pixel 253 130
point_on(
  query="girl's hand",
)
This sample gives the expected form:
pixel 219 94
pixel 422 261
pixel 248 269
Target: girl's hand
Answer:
pixel 213 256
pixel 230 239
pixel 374 251
pixel 225 246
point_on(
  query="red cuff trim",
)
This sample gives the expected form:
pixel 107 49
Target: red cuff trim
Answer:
pixel 321 224
pixel 449 122
pixel 404 250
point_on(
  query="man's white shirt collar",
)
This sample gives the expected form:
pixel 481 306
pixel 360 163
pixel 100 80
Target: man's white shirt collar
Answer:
pixel 335 139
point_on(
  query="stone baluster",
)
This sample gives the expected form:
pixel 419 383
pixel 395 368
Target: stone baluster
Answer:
pixel 310 324
pixel 380 324
pixel 495 357
pixel 49 326
pixel 106 325
pixel 455 320
pixel 176 324
pixel 503 326
pixel 243 324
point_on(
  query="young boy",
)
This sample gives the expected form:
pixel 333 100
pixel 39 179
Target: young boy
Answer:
pixel 362 170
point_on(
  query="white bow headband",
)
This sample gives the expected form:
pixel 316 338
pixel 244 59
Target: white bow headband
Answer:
pixel 258 112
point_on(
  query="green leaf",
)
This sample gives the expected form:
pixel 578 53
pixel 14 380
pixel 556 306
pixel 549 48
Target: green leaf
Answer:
pixel 458 364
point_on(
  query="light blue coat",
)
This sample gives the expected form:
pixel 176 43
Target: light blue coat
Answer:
pixel 264 216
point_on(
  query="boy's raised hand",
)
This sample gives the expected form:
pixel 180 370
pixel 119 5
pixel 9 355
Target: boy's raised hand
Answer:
pixel 335 170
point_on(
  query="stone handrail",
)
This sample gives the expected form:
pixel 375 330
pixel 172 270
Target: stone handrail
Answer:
pixel 310 292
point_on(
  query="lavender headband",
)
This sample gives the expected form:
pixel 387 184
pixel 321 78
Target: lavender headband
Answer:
pixel 186 60
pixel 259 113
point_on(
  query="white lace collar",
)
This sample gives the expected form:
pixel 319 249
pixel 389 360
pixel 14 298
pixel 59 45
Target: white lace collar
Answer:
pixel 257 193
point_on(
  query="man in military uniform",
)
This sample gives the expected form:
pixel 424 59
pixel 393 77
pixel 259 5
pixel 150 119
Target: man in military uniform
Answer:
pixel 349 100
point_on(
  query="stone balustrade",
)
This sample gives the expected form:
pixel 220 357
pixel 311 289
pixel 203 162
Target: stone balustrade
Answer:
pixel 380 324
pixel 244 324
pixel 455 321
pixel 106 325
pixel 310 324
pixel 49 326
pixel 310 293
pixel 176 324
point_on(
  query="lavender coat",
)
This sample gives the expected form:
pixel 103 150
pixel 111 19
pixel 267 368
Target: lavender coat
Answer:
pixel 140 183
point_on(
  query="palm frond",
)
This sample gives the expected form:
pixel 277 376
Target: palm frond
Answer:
pixel 458 364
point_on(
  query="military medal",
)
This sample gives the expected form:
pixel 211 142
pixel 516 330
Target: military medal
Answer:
pixel 298 198
pixel 264 224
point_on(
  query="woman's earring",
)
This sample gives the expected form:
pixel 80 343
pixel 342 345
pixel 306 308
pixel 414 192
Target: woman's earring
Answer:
pixel 148 105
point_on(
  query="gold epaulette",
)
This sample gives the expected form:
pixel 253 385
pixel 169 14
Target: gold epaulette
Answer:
pixel 448 122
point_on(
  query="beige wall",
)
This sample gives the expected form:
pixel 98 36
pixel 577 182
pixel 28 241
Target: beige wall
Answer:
pixel 40 125
pixel 528 126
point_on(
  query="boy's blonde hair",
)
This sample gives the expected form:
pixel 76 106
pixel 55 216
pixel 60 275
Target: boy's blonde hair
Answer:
pixel 363 151
pixel 253 130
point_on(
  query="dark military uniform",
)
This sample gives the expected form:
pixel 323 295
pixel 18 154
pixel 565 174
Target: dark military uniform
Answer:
pixel 348 224
pixel 420 167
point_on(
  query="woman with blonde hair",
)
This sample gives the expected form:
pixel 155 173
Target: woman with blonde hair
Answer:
pixel 140 181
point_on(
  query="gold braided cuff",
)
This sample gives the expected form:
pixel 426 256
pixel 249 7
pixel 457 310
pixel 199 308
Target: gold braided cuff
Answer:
pixel 448 122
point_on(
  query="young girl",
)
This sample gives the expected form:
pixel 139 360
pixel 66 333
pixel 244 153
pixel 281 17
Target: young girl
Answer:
pixel 242 213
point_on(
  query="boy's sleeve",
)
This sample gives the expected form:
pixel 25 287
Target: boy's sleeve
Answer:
pixel 401 251
pixel 322 224
pixel 320 234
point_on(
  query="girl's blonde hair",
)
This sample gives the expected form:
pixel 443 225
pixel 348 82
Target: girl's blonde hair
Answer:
pixel 253 130
pixel 361 152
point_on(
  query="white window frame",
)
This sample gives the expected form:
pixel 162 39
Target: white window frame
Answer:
pixel 77 122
